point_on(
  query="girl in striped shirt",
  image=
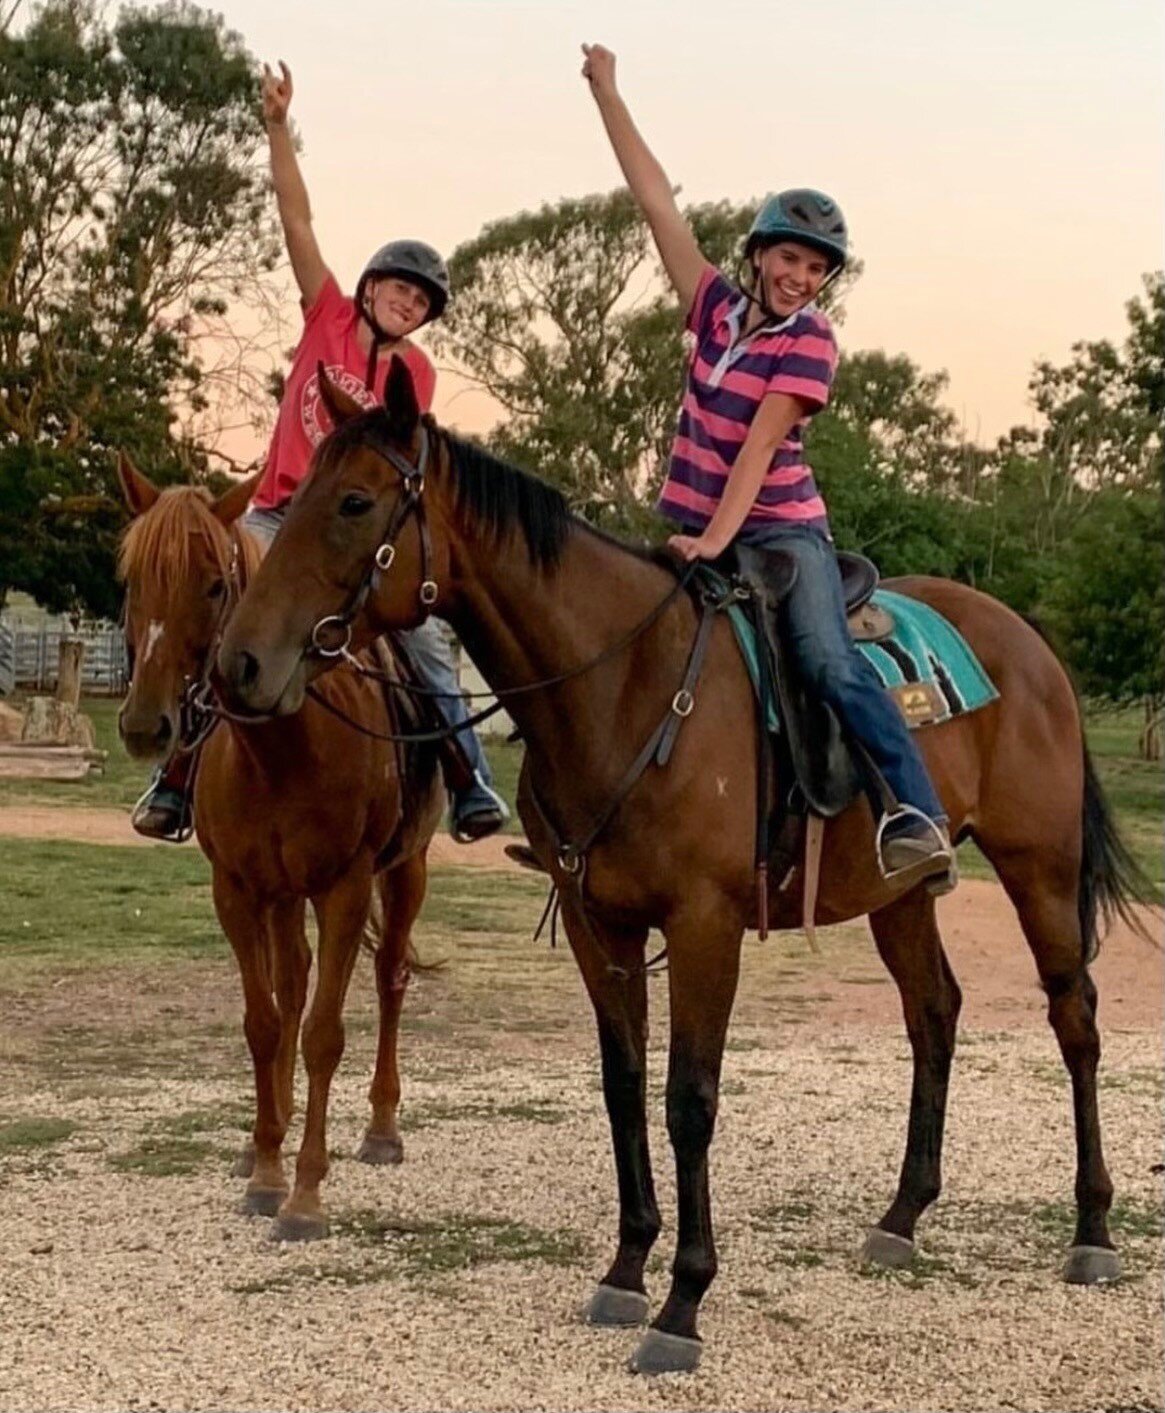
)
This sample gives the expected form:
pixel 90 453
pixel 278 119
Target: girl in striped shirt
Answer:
pixel 761 366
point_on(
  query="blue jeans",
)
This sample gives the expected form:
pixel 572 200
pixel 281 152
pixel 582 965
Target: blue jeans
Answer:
pixel 837 672
pixel 430 650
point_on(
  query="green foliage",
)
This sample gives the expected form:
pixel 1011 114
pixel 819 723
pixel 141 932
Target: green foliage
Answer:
pixel 1106 597
pixel 133 212
pixel 563 317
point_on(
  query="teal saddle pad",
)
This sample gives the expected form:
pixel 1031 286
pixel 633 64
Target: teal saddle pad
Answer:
pixel 926 663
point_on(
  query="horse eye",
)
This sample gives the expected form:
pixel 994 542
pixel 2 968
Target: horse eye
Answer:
pixel 356 504
pixel 217 589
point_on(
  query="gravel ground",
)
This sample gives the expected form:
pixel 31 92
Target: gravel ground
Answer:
pixel 129 1280
pixel 453 1281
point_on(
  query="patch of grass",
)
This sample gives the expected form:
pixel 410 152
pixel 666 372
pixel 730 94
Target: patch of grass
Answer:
pixel 232 1117
pixel 505 761
pixel 83 901
pixel 476 900
pixel 1129 1219
pixel 802 1259
pixel 457 1242
pixel 163 1156
pixel 25 1135
pixel 923 1270
pixel 781 1215
pixel 783 1317
pixel 436 1111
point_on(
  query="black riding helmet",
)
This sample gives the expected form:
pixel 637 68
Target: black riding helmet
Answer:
pixel 410 260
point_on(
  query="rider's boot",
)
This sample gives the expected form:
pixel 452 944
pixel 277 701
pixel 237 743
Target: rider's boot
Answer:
pixel 913 847
pixel 478 811
pixel 166 810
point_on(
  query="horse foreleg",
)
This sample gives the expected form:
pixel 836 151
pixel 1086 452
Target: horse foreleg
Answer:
pixel 620 1005
pixel 291 963
pixel 908 939
pixel 340 913
pixel 1047 908
pixel 402 891
pixel 703 967
pixel 242 919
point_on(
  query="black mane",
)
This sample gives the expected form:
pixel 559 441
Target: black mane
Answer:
pixel 502 498
pixel 495 495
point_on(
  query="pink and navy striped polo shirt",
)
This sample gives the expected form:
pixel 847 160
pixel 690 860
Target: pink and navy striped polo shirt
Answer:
pixel 727 378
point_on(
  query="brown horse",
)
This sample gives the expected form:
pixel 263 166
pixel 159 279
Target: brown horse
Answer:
pixel 535 593
pixel 296 810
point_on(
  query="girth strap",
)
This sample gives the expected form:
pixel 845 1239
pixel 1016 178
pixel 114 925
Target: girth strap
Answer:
pixel 572 858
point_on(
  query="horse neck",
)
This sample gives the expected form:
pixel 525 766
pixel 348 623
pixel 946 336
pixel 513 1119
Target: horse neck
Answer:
pixel 522 624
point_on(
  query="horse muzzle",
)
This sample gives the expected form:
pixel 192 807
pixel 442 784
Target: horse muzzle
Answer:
pixel 252 684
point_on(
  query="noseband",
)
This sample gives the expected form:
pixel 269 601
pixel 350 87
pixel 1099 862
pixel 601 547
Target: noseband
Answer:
pixel 323 639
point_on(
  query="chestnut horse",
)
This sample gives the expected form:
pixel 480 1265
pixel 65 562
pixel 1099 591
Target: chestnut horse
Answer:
pixel 296 810
pixel 536 594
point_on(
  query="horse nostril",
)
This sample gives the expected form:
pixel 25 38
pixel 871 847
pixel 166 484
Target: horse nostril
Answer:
pixel 246 672
pixel 164 732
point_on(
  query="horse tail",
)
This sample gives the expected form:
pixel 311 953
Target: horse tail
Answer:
pixel 1111 880
pixel 372 939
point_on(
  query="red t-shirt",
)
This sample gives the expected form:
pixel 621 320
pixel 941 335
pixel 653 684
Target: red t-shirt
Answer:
pixel 329 334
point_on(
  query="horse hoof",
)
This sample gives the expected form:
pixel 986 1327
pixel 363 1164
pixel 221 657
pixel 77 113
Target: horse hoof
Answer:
pixel 379 1151
pixel 244 1164
pixel 612 1306
pixel 295 1226
pixel 262 1201
pixel 663 1353
pixel 1092 1265
pixel 886 1249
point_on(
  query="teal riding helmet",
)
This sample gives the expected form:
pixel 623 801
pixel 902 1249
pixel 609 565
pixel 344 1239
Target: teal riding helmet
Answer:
pixel 809 217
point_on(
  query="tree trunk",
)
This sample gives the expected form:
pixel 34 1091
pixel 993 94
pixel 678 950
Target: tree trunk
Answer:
pixel 1150 741
pixel 71 658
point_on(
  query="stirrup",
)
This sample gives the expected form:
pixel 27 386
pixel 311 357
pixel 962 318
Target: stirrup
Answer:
pixel 178 834
pixel 938 868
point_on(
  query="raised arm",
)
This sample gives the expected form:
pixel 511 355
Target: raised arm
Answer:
pixel 307 263
pixel 648 181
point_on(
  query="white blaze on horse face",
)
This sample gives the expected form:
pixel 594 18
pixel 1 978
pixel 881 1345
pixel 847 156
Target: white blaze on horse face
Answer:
pixel 722 786
pixel 153 633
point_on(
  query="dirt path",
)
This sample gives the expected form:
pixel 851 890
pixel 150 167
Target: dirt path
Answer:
pixel 110 826
pixel 979 925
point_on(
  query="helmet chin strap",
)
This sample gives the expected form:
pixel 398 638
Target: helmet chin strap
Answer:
pixel 762 303
pixel 379 338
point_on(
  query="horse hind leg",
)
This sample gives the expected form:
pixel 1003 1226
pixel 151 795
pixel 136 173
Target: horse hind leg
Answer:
pixel 401 893
pixel 908 940
pixel 1044 891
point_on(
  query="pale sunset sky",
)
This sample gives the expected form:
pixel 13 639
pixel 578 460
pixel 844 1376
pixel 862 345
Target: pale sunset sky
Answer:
pixel 999 161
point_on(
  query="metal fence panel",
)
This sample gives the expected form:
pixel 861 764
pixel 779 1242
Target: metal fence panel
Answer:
pixel 29 656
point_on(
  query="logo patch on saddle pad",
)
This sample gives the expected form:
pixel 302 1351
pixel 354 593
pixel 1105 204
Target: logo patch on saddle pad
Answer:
pixel 926 664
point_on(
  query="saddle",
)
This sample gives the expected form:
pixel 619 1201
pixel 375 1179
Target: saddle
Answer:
pixel 418 712
pixel 821 757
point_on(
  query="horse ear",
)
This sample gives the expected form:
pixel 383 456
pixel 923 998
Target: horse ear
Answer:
pixel 138 491
pixel 400 401
pixel 342 407
pixel 231 504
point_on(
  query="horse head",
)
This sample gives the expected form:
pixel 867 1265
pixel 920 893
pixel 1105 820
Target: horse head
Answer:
pixel 180 562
